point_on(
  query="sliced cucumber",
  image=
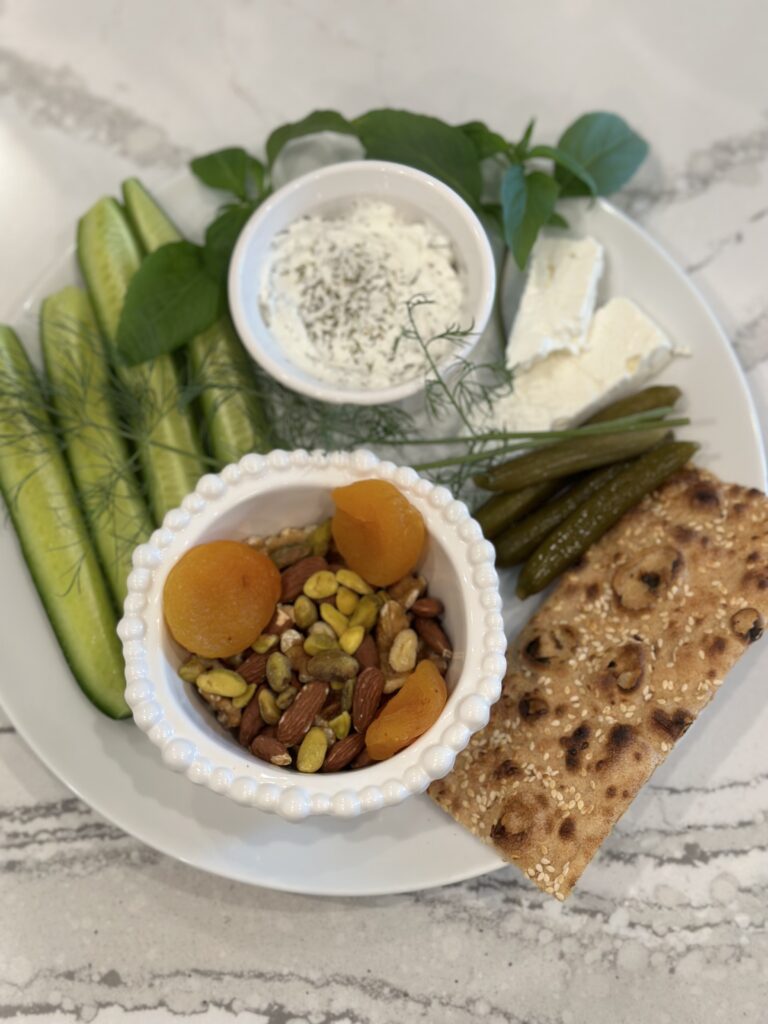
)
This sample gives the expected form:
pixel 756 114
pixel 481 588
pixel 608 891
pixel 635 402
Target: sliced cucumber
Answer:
pixel 98 457
pixel 41 500
pixel 218 362
pixel 167 442
pixel 151 224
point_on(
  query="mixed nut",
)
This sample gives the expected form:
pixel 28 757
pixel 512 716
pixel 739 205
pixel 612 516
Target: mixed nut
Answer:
pixel 334 655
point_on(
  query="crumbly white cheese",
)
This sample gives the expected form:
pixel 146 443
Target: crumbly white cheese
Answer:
pixel 558 301
pixel 335 293
pixel 624 348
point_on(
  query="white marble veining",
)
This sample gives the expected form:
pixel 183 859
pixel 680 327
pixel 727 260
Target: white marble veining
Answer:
pixel 93 90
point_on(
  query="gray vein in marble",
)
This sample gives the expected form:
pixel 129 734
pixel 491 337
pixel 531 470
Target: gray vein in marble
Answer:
pixel 58 98
pixel 751 339
pixel 722 160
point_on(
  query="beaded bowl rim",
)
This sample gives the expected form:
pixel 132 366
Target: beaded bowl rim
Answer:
pixel 188 748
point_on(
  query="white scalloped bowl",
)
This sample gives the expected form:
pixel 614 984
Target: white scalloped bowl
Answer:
pixel 260 495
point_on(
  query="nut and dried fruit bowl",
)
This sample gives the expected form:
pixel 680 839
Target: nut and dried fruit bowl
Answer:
pixel 261 495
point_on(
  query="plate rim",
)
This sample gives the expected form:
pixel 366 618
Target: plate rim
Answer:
pixel 487 861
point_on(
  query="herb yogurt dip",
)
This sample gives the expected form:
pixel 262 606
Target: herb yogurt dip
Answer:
pixel 335 292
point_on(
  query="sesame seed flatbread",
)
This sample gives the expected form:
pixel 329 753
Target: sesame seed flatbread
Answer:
pixel 610 672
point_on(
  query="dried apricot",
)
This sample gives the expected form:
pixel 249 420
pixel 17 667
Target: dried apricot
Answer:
pixel 377 530
pixel 414 709
pixel 219 596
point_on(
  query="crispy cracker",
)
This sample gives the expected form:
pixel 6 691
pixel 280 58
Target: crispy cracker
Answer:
pixel 597 693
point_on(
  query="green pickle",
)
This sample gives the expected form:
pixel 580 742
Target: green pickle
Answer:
pixel 594 517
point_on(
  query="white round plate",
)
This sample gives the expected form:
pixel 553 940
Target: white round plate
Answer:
pixel 116 770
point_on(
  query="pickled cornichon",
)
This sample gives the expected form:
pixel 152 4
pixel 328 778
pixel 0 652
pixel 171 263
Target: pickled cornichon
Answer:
pixel 660 396
pixel 568 542
pixel 567 457
pixel 520 539
pixel 502 509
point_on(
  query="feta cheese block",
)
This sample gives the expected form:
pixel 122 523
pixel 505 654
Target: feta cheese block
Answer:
pixel 558 300
pixel 624 349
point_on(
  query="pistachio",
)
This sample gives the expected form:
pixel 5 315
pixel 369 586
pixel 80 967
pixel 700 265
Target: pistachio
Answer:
pixel 394 683
pixel 268 708
pixel 335 619
pixel 332 665
pixel 348 694
pixel 337 685
pixel 304 612
pixel 321 628
pixel 351 638
pixel 264 643
pixel 341 725
pixel 353 581
pixel 290 554
pixel 279 672
pixel 222 683
pixel 244 699
pixel 402 654
pixel 312 751
pixel 191 669
pixel 287 697
pixel 290 638
pixel 317 642
pixel 366 613
pixel 407 590
pixel 346 600
pixel 321 584
pixel 320 538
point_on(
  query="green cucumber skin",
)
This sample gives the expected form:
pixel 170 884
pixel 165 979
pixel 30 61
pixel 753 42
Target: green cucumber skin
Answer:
pixel 236 423
pixel 150 223
pixel 39 494
pixel 168 446
pixel 96 452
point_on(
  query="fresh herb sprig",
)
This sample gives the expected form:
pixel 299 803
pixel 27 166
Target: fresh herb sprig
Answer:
pixel 186 286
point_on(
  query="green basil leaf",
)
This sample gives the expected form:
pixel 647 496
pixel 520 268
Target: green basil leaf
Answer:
pixel 423 142
pixel 221 236
pixel 540 195
pixel 231 170
pixel 513 195
pixel 561 158
pixel 317 121
pixel 170 299
pixel 556 220
pixel 521 148
pixel 487 143
pixel 606 147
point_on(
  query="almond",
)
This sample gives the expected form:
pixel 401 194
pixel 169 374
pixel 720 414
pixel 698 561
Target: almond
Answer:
pixel 254 668
pixel 292 579
pixel 297 719
pixel 367 697
pixel 343 752
pixel 251 722
pixel 367 654
pixel 280 621
pixel 427 608
pixel 270 749
pixel 433 636
pixel 362 760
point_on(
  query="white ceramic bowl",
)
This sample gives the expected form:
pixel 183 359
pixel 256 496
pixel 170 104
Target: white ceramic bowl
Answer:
pixel 260 495
pixel 417 195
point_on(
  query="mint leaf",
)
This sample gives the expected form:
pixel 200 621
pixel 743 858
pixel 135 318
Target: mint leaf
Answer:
pixel 231 170
pixel 317 121
pixel 561 158
pixel 556 220
pixel 521 148
pixel 513 195
pixel 528 202
pixel 606 147
pixel 487 143
pixel 221 236
pixel 170 299
pixel 423 142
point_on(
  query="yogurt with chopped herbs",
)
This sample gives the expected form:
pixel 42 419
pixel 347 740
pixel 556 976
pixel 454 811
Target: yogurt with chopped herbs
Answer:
pixel 338 294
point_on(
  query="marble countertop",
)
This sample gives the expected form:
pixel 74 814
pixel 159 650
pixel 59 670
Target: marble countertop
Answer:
pixel 95 90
